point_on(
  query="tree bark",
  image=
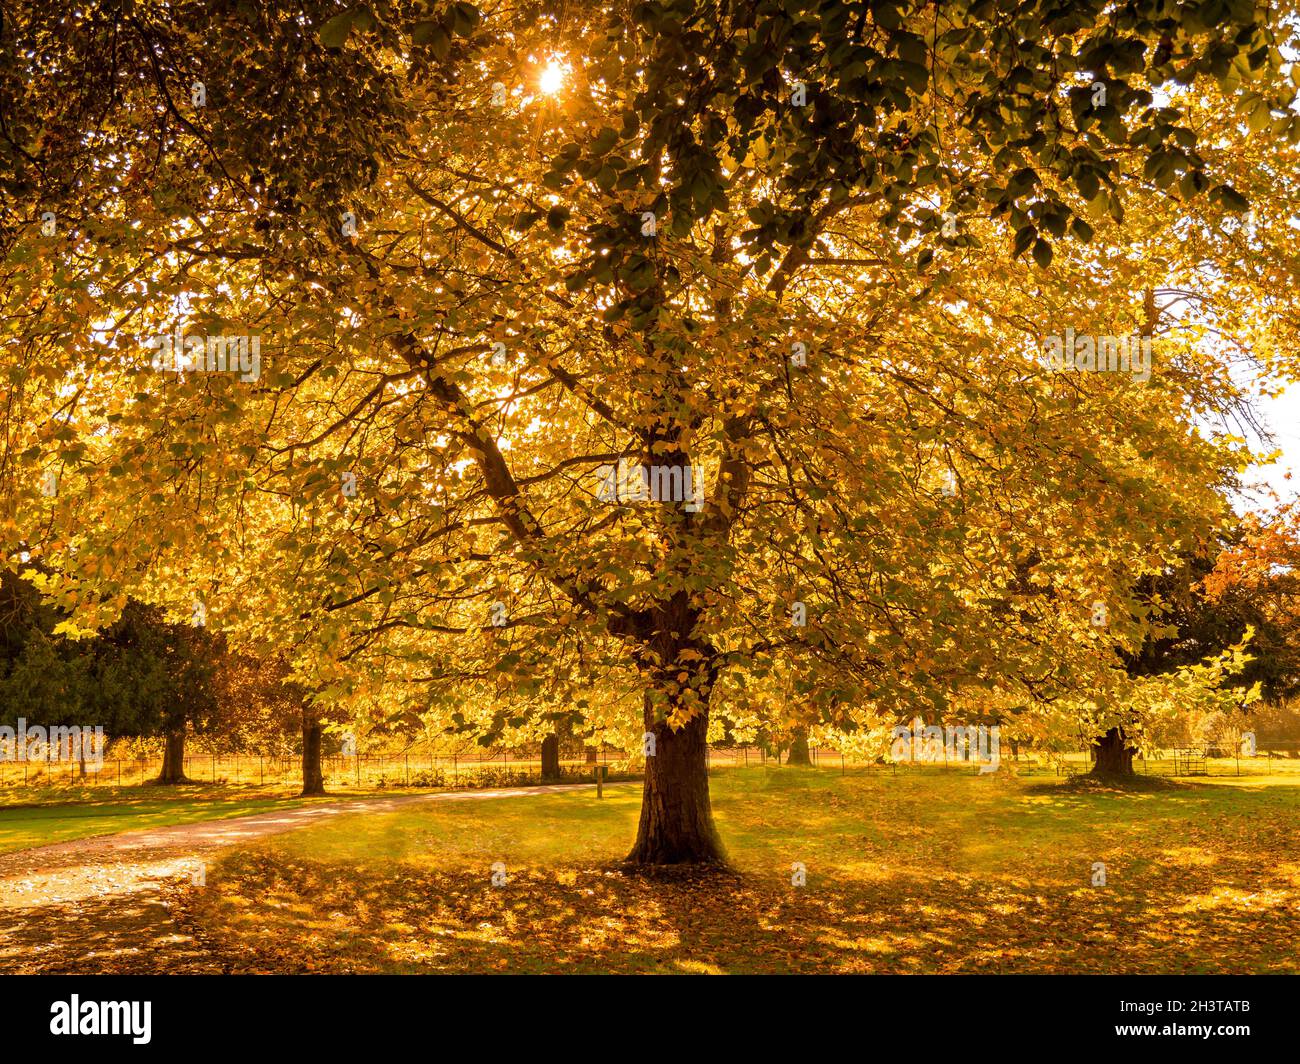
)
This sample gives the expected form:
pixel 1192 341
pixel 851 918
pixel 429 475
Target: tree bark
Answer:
pixel 551 758
pixel 313 778
pixel 173 766
pixel 798 754
pixel 676 824
pixel 1114 755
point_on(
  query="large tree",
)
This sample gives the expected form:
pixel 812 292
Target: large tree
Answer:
pixel 491 256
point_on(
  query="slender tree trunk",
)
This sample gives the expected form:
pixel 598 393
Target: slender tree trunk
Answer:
pixel 551 758
pixel 1114 755
pixel 676 819
pixel 173 766
pixel 798 754
pixel 313 778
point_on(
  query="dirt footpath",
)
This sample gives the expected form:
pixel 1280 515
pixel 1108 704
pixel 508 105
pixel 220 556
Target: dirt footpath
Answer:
pixel 113 903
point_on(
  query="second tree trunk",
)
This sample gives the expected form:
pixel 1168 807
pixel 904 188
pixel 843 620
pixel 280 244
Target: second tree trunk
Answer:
pixel 313 778
pixel 173 766
pixel 551 758
pixel 799 749
pixel 1114 755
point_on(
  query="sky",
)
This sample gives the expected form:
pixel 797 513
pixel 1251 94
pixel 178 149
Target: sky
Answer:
pixel 1281 416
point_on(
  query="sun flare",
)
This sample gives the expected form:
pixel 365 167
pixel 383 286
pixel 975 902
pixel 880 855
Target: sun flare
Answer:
pixel 552 80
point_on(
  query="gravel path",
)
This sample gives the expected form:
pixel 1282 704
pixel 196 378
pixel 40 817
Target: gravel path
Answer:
pixel 107 903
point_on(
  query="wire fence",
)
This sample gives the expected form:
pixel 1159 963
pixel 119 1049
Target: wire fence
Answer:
pixel 1282 759
pixel 506 768
pixel 1275 759
pixel 373 772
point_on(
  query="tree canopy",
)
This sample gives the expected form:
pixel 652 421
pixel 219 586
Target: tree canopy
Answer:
pixel 473 293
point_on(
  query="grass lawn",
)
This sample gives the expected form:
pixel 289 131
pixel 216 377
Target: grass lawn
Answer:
pixel 914 873
pixel 30 819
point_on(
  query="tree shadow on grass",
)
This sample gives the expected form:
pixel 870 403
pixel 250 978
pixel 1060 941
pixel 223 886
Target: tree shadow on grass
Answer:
pixel 271 914
pixel 1110 785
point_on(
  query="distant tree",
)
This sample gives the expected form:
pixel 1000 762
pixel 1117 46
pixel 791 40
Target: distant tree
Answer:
pixel 153 676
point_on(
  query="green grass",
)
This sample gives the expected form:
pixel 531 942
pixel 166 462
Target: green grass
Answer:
pixel 914 873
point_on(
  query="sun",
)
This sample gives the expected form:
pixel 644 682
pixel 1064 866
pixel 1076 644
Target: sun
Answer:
pixel 552 79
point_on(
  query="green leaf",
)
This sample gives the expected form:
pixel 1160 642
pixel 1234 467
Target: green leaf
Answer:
pixel 440 43
pixel 464 19
pixel 422 32
pixel 334 33
pixel 1025 236
pixel 1231 198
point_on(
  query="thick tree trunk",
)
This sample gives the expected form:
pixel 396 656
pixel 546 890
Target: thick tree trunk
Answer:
pixel 551 758
pixel 676 820
pixel 1114 755
pixel 313 778
pixel 173 766
pixel 799 749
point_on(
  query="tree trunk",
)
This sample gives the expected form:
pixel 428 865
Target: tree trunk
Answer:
pixel 799 749
pixel 676 820
pixel 1114 755
pixel 173 766
pixel 313 779
pixel 551 758
pixel 591 755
